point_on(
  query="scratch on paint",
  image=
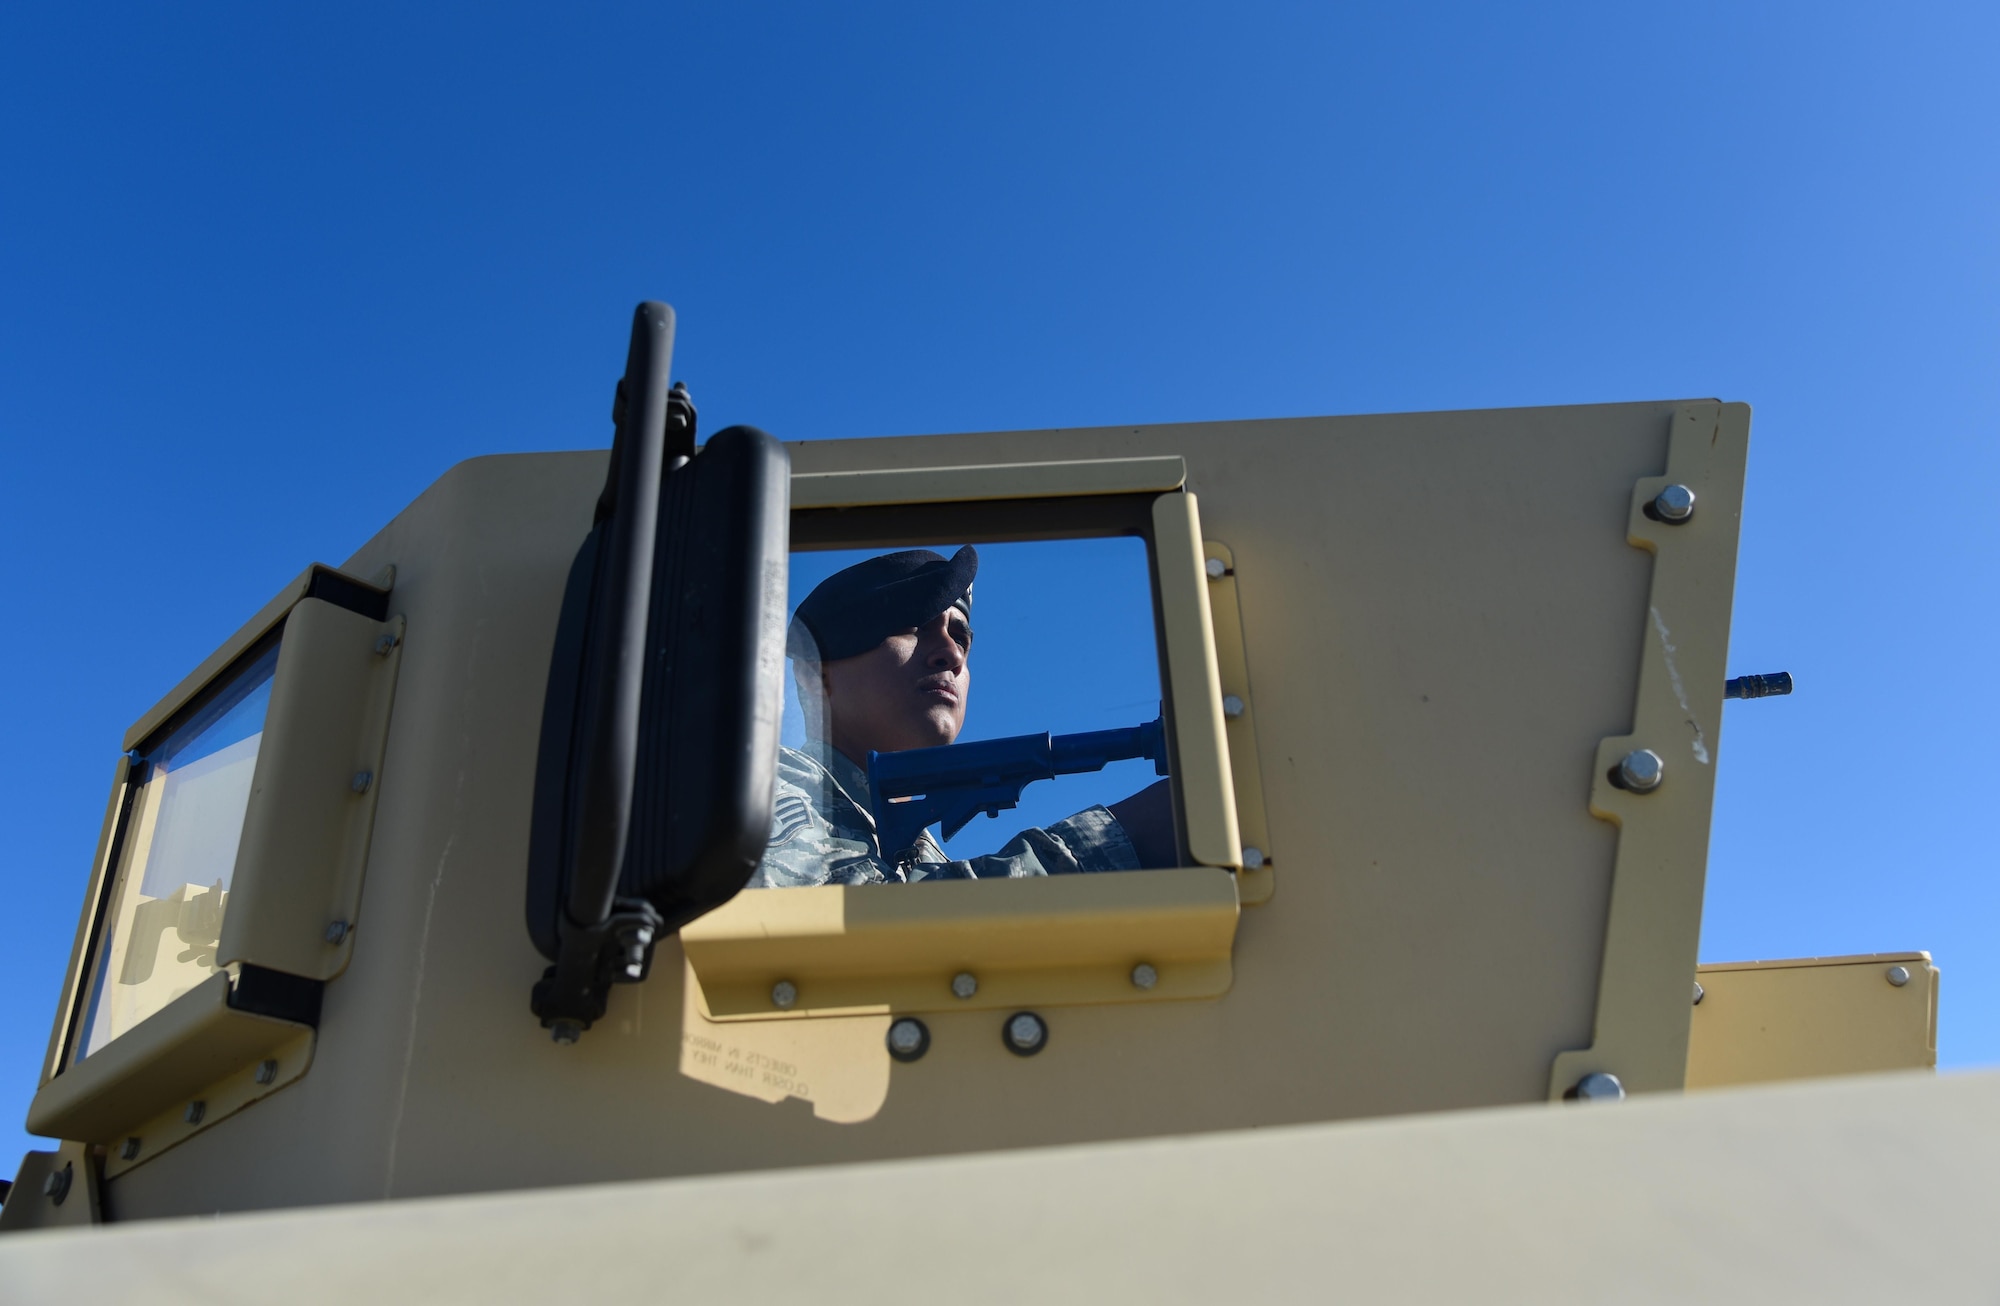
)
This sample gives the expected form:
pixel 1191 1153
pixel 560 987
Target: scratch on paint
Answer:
pixel 1700 744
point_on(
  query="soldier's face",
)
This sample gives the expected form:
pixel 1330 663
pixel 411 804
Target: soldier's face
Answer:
pixel 909 691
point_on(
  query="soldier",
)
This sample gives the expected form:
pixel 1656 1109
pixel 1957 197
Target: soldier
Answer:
pixel 880 655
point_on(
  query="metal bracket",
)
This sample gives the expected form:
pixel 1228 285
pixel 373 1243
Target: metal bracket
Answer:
pixel 1640 1034
pixel 1254 884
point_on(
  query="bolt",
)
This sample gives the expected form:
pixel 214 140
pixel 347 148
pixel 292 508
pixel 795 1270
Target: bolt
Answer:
pixel 909 1039
pixel 56 1186
pixel 1699 993
pixel 1771 684
pixel 362 779
pixel 267 1071
pixel 1232 706
pixel 131 1149
pixel 1252 858
pixel 1217 569
pixel 1899 975
pixel 386 643
pixel 1641 771
pixel 964 984
pixel 1598 1086
pixel 634 970
pixel 1674 504
pixel 565 1031
pixel 1025 1033
pixel 784 995
pixel 336 931
pixel 195 1111
pixel 1144 976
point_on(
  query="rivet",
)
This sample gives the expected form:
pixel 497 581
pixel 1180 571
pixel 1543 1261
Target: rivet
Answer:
pixel 1641 771
pixel 1674 504
pixel 1252 858
pixel 195 1111
pixel 1598 1086
pixel 336 931
pixel 267 1071
pixel 1899 975
pixel 56 1186
pixel 1232 706
pixel 1144 976
pixel 386 643
pixel 1699 993
pixel 1217 569
pixel 130 1151
pixel 784 995
pixel 909 1039
pixel 1025 1033
pixel 362 779
pixel 964 984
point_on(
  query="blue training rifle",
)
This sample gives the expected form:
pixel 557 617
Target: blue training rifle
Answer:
pixel 917 788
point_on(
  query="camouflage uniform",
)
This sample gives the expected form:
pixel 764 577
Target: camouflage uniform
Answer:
pixel 822 832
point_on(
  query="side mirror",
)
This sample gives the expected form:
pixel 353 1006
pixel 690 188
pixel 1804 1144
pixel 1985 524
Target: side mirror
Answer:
pixel 660 724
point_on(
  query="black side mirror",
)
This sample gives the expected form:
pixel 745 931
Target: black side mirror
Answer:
pixel 660 725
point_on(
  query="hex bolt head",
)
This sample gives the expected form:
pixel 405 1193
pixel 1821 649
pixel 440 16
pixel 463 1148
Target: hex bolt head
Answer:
pixel 1232 706
pixel 56 1186
pixel 195 1111
pixel 784 995
pixel 1025 1033
pixel 1144 976
pixel 1599 1086
pixel 909 1039
pixel 1899 975
pixel 1674 504
pixel 130 1151
pixel 386 643
pixel 1216 568
pixel 336 931
pixel 565 1031
pixel 1699 993
pixel 362 779
pixel 1252 858
pixel 1641 771
pixel 964 984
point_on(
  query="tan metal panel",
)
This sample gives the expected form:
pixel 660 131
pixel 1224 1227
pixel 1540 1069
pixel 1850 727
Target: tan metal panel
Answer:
pixel 1773 1020
pixel 865 949
pixel 1641 1028
pixel 853 489
pixel 297 885
pixel 161 1062
pixel 1206 788
pixel 1861 1190
pixel 75 1203
pixel 1254 884
pixel 1442 618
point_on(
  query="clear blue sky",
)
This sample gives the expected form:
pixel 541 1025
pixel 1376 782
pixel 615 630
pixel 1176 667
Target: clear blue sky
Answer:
pixel 266 271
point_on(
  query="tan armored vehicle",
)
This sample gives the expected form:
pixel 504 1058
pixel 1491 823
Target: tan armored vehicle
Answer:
pixel 1439 704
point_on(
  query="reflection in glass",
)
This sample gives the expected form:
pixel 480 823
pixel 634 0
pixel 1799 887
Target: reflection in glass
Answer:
pixel 1065 647
pixel 163 914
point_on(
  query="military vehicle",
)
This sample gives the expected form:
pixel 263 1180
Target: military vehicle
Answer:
pixel 1440 699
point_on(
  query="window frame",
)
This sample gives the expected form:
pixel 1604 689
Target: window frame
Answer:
pixel 853 949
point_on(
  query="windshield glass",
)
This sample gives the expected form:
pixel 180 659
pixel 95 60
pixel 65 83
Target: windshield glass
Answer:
pixel 184 818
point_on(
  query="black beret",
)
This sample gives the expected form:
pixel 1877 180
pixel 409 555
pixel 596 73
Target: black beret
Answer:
pixel 852 611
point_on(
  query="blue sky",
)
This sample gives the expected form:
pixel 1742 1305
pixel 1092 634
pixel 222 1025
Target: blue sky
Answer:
pixel 267 271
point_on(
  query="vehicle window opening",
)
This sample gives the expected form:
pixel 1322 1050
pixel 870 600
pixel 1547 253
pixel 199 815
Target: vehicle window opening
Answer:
pixel 1020 728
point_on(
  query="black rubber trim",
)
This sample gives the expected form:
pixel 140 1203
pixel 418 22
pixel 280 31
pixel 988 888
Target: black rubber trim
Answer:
pixel 277 994
pixel 341 591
